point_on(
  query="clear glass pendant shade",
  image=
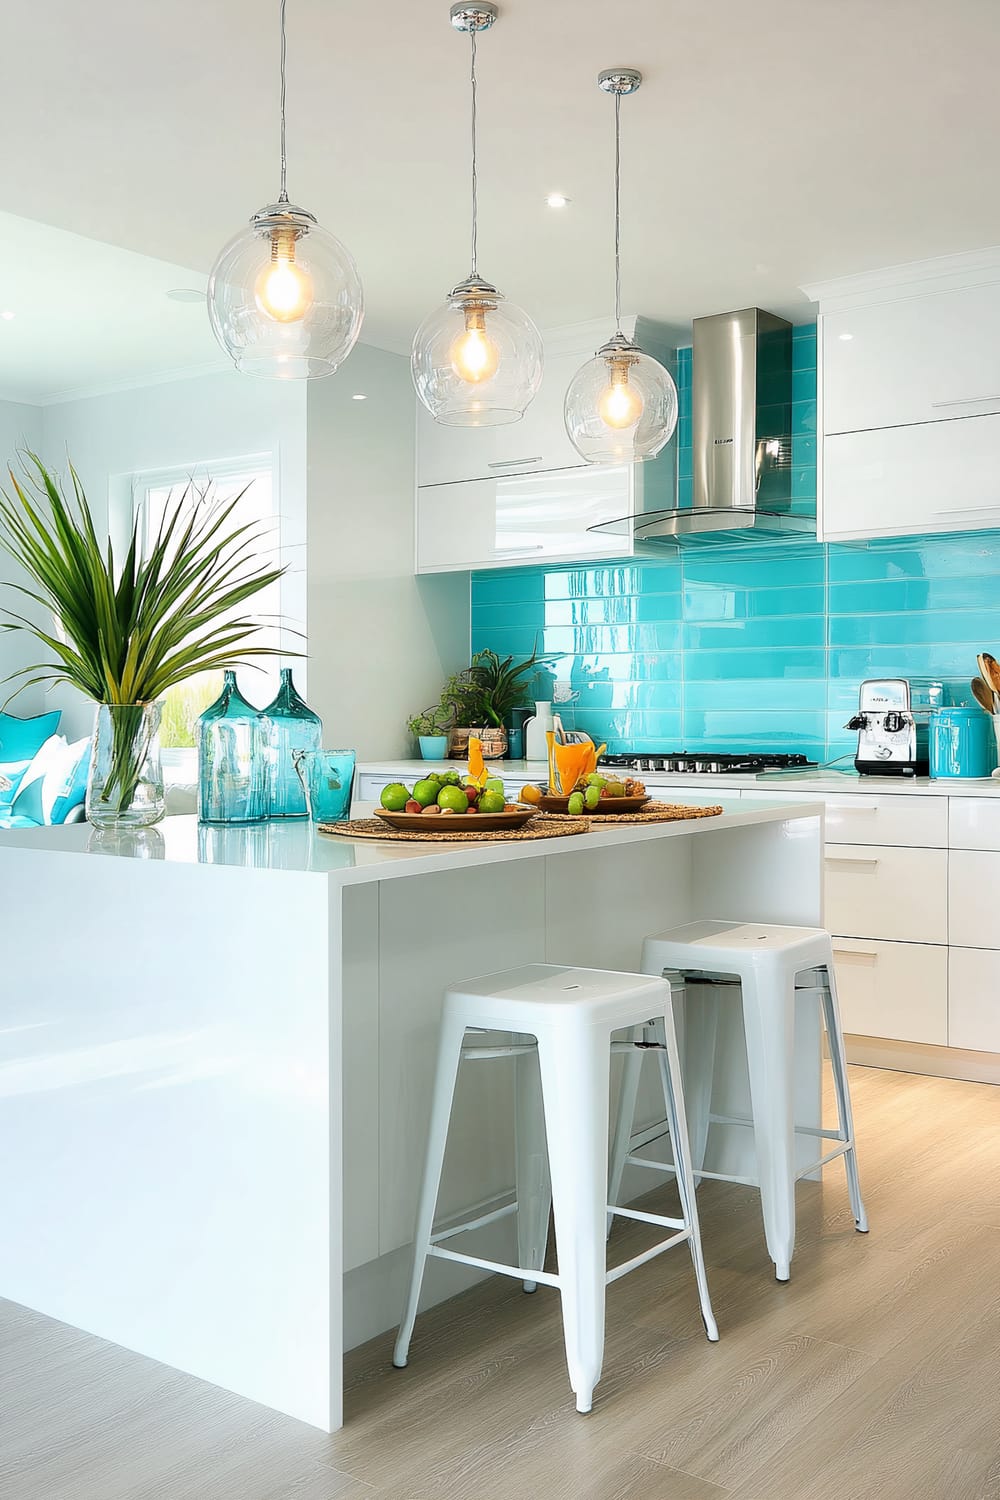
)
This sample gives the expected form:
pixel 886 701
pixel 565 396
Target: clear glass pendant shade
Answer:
pixel 477 361
pixel 621 406
pixel 284 297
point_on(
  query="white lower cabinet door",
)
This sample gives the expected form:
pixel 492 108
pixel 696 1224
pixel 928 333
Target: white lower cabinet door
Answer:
pixel 974 898
pixel 898 894
pixel 893 990
pixel 974 999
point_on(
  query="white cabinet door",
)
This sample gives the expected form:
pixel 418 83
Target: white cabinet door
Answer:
pixel 895 990
pixel 974 822
pixel 917 359
pixel 524 518
pixel 974 1000
pixel 877 892
pixel 450 455
pixel 941 476
pixel 973 884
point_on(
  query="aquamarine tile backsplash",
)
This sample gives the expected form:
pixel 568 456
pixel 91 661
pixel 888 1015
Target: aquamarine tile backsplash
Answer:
pixel 749 645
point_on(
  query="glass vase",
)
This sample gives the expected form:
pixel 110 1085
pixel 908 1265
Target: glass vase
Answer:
pixel 289 725
pixel 232 759
pixel 125 784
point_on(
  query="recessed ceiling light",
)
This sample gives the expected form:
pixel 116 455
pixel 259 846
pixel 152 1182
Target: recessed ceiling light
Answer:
pixel 359 397
pixel 846 336
pixel 7 315
pixel 557 200
pixel 185 294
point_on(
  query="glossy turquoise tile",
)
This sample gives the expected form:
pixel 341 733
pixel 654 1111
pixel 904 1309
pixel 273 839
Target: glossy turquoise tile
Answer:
pixel 776 694
pixel 804 416
pixel 751 726
pixel 703 601
pixel 720 666
pixel 804 384
pixel 790 630
pixel 685 460
pixel 762 570
pixel 913 629
pixel 804 482
pixel 913 596
pixel 685 493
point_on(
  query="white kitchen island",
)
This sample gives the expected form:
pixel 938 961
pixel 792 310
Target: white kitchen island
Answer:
pixel 216 1049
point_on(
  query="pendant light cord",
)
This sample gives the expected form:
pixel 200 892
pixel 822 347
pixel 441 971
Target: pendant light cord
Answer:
pixel 283 195
pixel 618 210
pixel 475 177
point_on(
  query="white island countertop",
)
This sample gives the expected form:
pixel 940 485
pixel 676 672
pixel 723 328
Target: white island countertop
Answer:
pixel 296 847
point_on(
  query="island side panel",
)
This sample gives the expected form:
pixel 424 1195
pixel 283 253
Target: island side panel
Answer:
pixel 164 1107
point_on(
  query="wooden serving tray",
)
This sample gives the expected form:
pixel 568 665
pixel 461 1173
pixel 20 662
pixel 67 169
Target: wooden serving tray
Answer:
pixel 376 828
pixel 406 822
pixel 607 807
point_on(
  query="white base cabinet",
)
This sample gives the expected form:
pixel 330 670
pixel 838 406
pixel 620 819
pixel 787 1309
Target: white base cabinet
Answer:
pixel 974 999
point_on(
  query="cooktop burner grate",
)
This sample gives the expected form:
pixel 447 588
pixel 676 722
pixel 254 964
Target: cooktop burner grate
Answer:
pixel 712 762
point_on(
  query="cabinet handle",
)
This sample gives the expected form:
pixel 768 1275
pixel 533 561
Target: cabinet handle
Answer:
pixel 857 955
pixel 510 463
pixel 963 401
pixel 513 551
pixel 971 510
pixel 849 859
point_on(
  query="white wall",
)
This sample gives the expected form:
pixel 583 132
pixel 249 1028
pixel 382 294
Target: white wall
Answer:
pixel 183 424
pixel 381 641
pixel 20 428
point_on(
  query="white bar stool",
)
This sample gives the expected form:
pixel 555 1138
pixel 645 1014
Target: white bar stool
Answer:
pixel 572 1013
pixel 770 964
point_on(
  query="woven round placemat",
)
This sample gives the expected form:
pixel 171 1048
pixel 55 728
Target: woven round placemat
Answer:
pixel 653 812
pixel 542 826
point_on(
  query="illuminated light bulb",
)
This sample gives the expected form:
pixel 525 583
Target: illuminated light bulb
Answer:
pixel 474 356
pixel 620 404
pixel 283 290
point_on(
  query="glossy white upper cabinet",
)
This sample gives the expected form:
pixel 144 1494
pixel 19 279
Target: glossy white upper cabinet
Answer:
pixel 523 518
pixel 909 398
pixel 923 359
pixel 894 481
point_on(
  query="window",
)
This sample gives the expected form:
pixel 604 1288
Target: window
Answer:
pixel 253 480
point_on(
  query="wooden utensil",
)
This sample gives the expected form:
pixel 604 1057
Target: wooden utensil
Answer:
pixel 982 694
pixel 990 669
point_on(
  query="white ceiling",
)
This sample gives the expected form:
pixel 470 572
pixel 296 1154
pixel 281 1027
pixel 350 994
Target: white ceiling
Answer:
pixel 89 316
pixel 771 144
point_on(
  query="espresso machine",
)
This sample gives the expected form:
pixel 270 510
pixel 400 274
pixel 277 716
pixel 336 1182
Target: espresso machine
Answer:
pixel 892 722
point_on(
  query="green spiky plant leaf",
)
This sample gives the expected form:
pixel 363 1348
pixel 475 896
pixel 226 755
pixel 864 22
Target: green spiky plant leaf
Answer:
pixel 128 631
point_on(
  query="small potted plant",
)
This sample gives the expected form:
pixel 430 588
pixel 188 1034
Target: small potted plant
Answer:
pixel 430 728
pixel 483 697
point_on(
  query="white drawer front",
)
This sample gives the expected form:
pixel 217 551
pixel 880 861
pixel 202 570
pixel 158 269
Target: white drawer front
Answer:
pixel 878 892
pixel 974 822
pixel 974 1000
pixel 895 990
pixel 974 898
pixel 900 819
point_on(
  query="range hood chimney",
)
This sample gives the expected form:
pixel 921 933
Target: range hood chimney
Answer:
pixel 741 413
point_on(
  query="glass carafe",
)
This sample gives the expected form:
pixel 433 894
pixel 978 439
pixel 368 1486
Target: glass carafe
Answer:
pixel 232 759
pixel 289 726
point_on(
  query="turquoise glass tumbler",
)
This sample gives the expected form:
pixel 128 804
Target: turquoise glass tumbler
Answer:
pixel 232 760
pixel 290 726
pixel 327 778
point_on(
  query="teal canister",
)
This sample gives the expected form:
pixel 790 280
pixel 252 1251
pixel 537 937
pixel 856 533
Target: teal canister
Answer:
pixel 961 743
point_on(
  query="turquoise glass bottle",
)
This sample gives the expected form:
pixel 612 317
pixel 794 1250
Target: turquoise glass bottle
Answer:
pixel 289 725
pixel 232 760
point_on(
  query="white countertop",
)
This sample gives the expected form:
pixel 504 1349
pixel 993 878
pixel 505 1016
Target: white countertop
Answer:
pixel 820 782
pixel 296 847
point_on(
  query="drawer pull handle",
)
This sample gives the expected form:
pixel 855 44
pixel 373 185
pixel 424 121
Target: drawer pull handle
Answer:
pixel 857 955
pixel 850 861
pixel 510 463
pixel 515 551
pixel 971 510
pixel 962 401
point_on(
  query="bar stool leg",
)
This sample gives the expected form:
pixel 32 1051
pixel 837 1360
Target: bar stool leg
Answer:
pixel 673 1097
pixel 575 1086
pixel 624 1118
pixel 534 1195
pixel 769 1024
pixel 845 1115
pixel 449 1057
pixel 700 1030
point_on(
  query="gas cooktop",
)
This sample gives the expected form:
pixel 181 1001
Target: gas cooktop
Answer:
pixel 713 762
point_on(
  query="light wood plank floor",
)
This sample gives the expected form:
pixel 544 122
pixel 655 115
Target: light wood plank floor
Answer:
pixel 874 1373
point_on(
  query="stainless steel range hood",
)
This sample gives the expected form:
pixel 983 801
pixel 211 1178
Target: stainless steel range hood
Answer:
pixel 741 413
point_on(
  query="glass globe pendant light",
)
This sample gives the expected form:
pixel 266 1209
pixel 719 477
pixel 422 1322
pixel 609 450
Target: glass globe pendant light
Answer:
pixel 476 361
pixel 284 296
pixel 621 405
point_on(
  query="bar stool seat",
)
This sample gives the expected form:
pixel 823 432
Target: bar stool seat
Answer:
pixel 773 965
pixel 572 1015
